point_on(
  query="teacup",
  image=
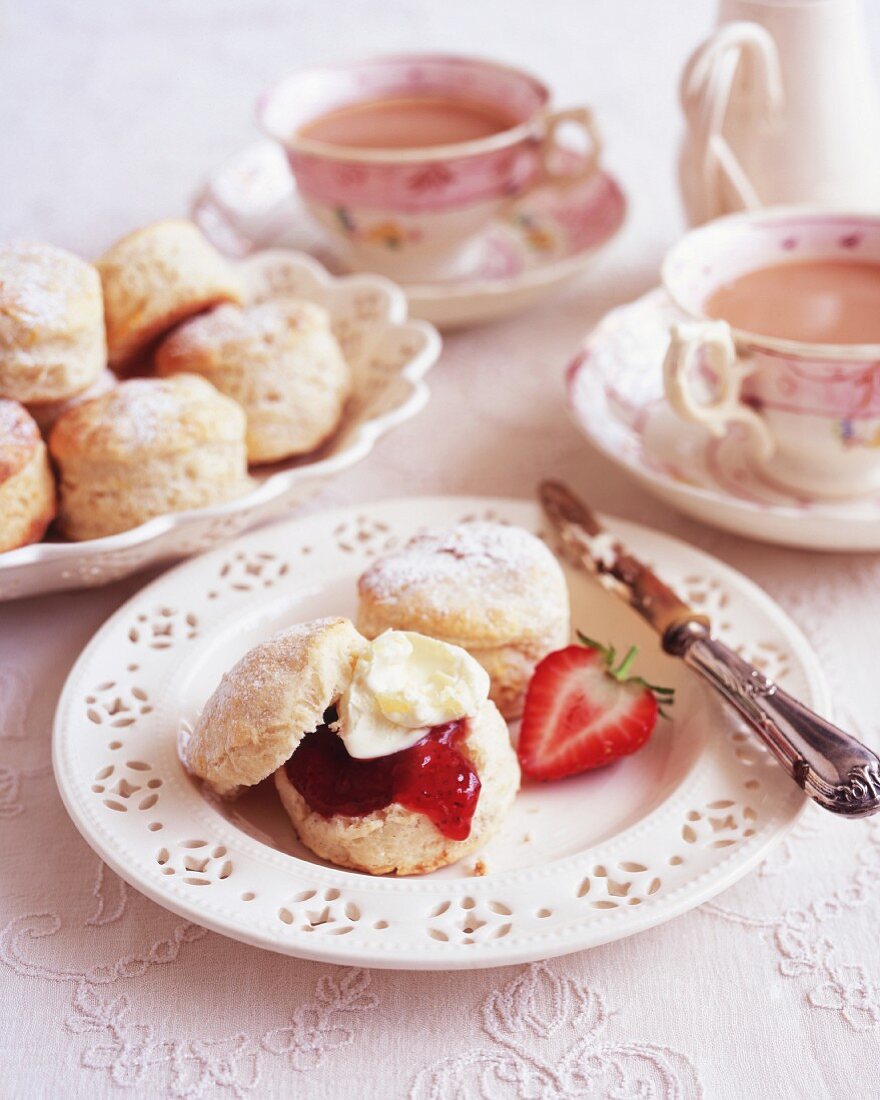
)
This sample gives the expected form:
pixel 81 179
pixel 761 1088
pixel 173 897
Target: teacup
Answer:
pixel 412 212
pixel 812 409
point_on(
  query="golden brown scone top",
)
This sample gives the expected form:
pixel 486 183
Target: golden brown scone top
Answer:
pixel 19 438
pixel 229 334
pixel 148 416
pixel 176 235
pixel 476 584
pixel 156 277
pixel 266 703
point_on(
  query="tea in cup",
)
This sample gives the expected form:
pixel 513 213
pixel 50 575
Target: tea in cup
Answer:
pixel 404 160
pixel 784 338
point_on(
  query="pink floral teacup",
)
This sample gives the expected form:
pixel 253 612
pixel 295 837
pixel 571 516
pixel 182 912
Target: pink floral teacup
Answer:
pixel 412 212
pixel 813 409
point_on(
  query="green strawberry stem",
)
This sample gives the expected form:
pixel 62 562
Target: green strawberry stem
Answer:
pixel 665 696
pixel 622 670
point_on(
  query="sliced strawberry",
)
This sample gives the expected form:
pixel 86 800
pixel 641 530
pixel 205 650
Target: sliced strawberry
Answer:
pixel 581 712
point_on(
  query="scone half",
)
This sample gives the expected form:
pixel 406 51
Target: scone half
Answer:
pixel 396 840
pixel 265 704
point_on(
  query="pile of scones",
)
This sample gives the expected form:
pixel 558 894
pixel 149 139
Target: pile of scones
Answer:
pixel 143 384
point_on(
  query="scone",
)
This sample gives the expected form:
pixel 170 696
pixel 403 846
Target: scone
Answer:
pixel 280 361
pixel 388 757
pixel 47 412
pixel 27 488
pixel 148 447
pixel 51 323
pixel 155 278
pixel 493 589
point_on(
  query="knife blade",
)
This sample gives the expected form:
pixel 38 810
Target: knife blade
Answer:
pixel 586 543
pixel 835 769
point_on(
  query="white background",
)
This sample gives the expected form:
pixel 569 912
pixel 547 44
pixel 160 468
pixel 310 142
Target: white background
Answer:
pixel 110 114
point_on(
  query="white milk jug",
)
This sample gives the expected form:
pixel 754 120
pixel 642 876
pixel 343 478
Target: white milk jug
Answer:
pixel 781 107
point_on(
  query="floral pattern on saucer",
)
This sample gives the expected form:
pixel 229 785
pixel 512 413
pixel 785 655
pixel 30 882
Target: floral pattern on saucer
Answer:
pixel 544 239
pixel 615 391
pixel 551 224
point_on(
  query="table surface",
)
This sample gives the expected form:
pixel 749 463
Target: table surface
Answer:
pixel 111 114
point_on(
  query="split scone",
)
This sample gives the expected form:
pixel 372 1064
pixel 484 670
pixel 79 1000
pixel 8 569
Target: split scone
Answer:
pixel 27 488
pixel 148 447
pixel 493 589
pixel 51 323
pixel 388 756
pixel 280 361
pixel 155 278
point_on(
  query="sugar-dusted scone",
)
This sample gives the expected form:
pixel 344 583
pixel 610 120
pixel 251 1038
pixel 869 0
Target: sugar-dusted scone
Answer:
pixel 27 488
pixel 388 757
pixel 47 412
pixel 51 323
pixel 265 705
pixel 280 361
pixel 494 589
pixel 147 447
pixel 155 278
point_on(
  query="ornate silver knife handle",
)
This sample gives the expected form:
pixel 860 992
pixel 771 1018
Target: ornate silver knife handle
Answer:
pixel 833 768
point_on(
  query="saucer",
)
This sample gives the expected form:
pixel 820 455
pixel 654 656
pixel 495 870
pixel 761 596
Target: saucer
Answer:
pixel 542 241
pixel 615 392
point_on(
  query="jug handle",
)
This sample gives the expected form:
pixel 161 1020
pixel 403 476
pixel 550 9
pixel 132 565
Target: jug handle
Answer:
pixel 705 89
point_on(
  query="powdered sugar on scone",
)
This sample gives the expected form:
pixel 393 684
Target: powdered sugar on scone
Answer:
pixel 52 342
pixel 151 414
pixel 37 282
pixel 494 589
pixel 492 551
pixel 478 572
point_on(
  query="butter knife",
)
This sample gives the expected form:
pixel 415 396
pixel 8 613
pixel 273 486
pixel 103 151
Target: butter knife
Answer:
pixel 833 768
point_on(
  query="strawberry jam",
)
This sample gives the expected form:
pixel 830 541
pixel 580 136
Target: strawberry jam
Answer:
pixel 431 777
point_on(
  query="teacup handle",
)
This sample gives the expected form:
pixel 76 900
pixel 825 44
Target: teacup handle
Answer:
pixel 583 117
pixel 713 341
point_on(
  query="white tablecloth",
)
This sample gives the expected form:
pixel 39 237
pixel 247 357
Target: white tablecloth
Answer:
pixel 109 115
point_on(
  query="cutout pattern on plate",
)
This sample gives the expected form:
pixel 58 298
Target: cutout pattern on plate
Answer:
pixel 197 862
pixel 129 786
pixel 325 912
pixel 364 535
pixel 245 572
pixel 117 706
pixel 468 920
pixel 162 628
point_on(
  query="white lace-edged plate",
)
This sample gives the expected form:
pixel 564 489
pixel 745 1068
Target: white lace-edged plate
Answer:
pixel 578 863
